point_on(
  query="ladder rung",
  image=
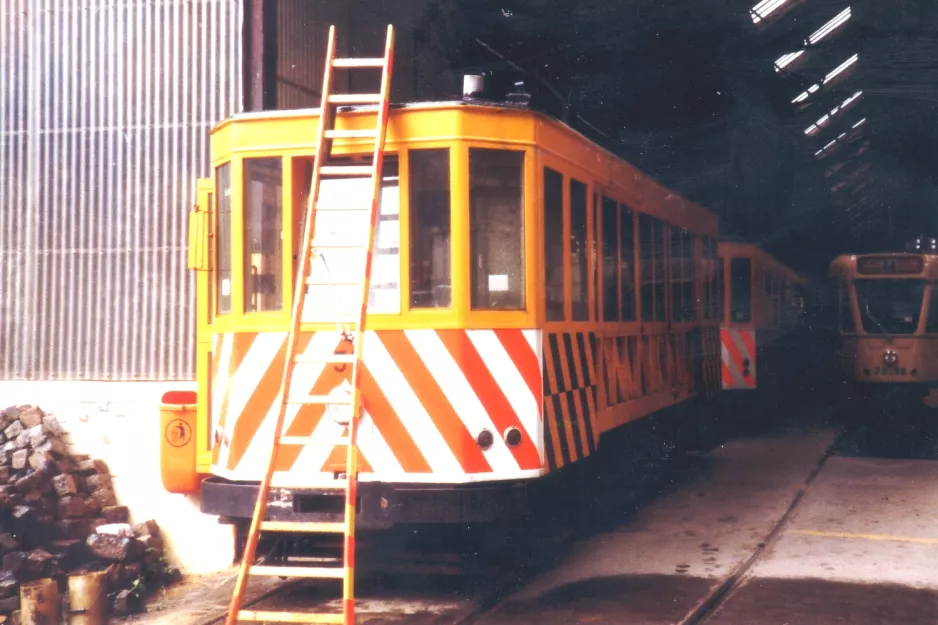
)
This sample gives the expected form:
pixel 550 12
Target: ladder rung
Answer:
pixel 338 246
pixel 311 572
pixel 312 442
pixel 265 616
pixel 306 527
pixel 314 282
pixel 321 400
pixel 343 209
pixel 364 62
pixel 346 170
pixel 331 359
pixel 354 98
pixel 351 134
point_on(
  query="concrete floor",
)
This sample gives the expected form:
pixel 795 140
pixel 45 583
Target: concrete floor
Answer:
pixel 660 565
pixel 858 546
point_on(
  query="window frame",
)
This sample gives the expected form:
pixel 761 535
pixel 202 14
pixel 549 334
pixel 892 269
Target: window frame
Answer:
pixel 462 164
pixel 406 235
pixel 285 251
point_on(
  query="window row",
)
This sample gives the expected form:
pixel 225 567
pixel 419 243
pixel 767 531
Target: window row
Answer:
pixel 496 230
pixel 665 260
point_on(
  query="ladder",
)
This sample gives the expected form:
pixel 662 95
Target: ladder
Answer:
pixel 324 166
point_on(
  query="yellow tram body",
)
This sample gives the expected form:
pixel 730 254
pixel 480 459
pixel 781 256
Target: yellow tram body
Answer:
pixel 763 299
pixel 531 292
pixel 888 305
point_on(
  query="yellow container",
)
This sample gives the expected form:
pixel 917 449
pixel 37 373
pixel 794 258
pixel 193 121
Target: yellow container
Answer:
pixel 177 442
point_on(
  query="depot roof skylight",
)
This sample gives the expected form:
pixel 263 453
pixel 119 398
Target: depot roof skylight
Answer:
pixel 847 134
pixel 817 36
pixel 804 95
pixel 825 30
pixel 827 118
pixel 764 9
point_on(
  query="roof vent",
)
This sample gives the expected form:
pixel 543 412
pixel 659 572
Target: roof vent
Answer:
pixel 472 86
pixel 520 96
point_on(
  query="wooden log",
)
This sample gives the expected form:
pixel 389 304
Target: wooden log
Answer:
pixel 88 599
pixel 40 603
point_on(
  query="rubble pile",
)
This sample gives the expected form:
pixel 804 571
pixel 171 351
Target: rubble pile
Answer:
pixel 59 517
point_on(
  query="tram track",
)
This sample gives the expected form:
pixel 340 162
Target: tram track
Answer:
pixel 709 605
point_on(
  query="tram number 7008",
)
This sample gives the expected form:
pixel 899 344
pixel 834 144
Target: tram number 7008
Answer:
pixel 889 371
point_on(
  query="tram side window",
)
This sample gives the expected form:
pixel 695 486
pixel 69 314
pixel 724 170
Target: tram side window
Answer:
pixel 719 292
pixel 496 222
pixel 553 244
pixel 627 262
pixel 846 311
pixel 932 324
pixel 263 234
pixel 651 244
pixel 579 291
pixel 711 284
pixel 741 290
pixel 610 238
pixel 223 245
pixel 430 285
pixel 682 275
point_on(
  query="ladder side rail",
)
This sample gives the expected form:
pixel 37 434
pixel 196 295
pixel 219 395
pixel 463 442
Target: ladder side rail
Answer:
pixel 351 492
pixel 260 506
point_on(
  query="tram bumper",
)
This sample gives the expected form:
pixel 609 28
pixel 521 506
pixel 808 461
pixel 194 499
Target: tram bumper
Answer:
pixel 380 505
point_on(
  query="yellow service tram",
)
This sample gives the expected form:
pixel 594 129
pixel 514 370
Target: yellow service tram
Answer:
pixel 764 302
pixel 889 327
pixel 531 294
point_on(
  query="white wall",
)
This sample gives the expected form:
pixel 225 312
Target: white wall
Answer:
pixel 118 422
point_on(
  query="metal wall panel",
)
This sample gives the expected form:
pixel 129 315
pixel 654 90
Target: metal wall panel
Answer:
pixel 302 31
pixel 97 175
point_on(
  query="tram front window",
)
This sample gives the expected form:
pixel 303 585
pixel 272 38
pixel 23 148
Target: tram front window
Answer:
pixel 890 306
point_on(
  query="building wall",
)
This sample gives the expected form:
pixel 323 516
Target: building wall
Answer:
pixel 105 109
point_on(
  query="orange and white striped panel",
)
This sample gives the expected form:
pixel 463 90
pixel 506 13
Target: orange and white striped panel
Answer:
pixel 427 395
pixel 738 352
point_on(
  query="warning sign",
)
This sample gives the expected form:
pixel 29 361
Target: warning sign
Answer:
pixel 178 433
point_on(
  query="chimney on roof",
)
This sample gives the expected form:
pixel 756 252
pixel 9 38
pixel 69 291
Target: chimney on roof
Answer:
pixel 473 86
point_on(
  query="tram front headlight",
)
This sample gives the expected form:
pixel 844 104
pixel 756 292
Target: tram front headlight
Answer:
pixel 890 357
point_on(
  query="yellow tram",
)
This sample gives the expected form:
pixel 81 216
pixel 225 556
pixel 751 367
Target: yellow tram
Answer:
pixel 531 293
pixel 888 307
pixel 764 299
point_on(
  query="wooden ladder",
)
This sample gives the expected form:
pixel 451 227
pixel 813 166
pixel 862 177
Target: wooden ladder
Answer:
pixel 324 166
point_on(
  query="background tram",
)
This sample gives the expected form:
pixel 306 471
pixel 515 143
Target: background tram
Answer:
pixel 889 330
pixel 764 301
pixel 531 295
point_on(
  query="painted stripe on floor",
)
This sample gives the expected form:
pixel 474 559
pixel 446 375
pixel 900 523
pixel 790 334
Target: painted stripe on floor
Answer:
pixel 877 537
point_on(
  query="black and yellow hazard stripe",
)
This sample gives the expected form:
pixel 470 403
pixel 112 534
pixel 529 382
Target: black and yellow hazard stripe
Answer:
pixel 711 362
pixel 570 402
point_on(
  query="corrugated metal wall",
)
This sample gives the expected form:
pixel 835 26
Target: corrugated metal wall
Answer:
pixel 105 109
pixel 420 71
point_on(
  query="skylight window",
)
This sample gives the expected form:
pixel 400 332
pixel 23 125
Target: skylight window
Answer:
pixel 825 30
pixel 825 120
pixel 784 61
pixel 851 135
pixel 804 95
pixel 765 9
pixel 819 35
pixel 840 68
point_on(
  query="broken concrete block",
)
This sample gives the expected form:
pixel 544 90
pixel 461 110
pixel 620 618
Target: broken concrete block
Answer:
pixel 65 485
pixel 31 417
pixel 115 514
pixel 109 547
